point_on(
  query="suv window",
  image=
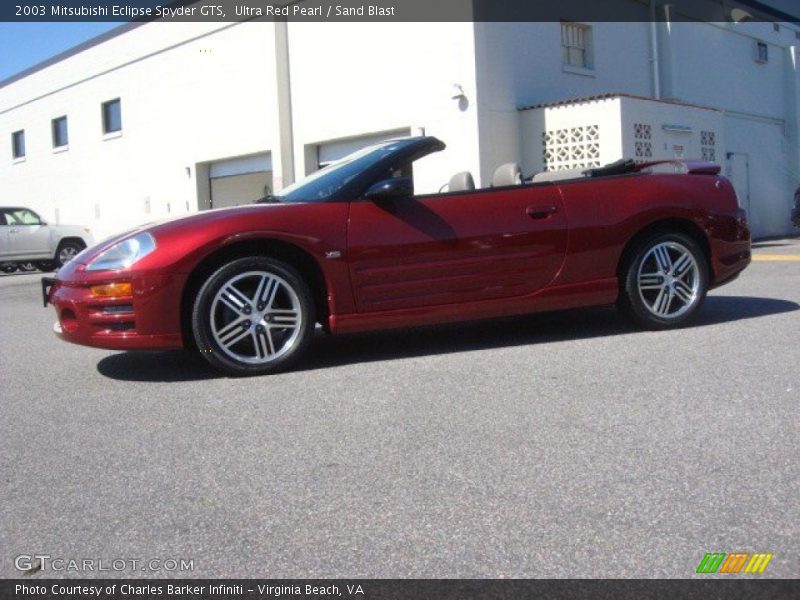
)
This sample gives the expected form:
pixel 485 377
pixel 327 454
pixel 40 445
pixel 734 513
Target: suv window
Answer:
pixel 22 216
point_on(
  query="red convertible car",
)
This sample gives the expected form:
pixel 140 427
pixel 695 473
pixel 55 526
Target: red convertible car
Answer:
pixel 352 247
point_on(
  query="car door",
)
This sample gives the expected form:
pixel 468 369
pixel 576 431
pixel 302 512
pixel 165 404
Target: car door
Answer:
pixel 5 250
pixel 29 237
pixel 455 247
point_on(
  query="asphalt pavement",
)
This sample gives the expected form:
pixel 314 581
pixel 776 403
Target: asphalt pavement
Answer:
pixel 558 445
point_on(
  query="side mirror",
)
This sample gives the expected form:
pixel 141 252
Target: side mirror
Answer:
pixel 391 189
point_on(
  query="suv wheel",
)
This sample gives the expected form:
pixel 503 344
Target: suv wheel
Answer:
pixel 253 316
pixel 45 265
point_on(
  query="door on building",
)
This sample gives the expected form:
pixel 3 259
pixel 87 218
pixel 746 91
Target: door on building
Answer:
pixel 737 170
pixel 455 247
pixel 240 180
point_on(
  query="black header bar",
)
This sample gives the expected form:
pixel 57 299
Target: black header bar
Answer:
pixel 393 589
pixel 399 10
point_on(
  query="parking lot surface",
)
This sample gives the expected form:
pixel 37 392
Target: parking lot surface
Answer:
pixel 556 445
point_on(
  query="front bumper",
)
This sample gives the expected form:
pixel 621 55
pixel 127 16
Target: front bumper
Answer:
pixel 147 320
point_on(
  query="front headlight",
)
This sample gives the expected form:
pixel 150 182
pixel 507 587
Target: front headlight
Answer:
pixel 123 254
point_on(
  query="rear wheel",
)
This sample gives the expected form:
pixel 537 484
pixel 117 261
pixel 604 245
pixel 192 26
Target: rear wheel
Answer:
pixel 253 316
pixel 45 265
pixel 665 281
pixel 67 250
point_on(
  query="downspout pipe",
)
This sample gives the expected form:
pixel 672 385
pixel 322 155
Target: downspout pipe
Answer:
pixel 284 93
pixel 654 60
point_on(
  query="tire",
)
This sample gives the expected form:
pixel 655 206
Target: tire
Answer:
pixel 67 250
pixel 26 267
pixel 8 267
pixel 238 315
pixel 664 282
pixel 45 265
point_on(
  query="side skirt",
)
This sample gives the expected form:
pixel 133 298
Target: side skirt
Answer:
pixel 575 295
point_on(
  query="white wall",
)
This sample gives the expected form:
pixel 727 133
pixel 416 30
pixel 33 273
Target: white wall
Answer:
pixel 713 64
pixel 605 114
pixel 520 64
pixel 661 116
pixel 358 78
pixel 184 101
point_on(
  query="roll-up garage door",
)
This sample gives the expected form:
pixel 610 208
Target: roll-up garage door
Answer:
pixel 333 150
pixel 240 180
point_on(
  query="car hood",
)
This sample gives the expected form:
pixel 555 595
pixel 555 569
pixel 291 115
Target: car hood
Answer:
pixel 211 216
pixel 175 224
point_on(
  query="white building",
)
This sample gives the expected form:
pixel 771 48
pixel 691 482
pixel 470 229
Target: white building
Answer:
pixel 164 119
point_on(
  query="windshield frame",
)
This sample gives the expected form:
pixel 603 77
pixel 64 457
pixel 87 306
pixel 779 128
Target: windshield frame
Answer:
pixel 371 163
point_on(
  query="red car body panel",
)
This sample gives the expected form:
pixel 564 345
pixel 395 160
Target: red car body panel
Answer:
pixel 423 260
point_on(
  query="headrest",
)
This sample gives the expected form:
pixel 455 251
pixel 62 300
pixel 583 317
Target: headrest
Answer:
pixel 461 182
pixel 507 174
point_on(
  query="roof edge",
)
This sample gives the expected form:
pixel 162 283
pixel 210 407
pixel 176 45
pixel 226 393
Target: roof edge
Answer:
pixel 83 46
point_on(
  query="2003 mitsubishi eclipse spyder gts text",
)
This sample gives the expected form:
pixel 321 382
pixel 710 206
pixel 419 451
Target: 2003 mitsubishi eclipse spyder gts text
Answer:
pixel 353 248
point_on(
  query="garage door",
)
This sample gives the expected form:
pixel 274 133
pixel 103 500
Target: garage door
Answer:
pixel 240 180
pixel 333 150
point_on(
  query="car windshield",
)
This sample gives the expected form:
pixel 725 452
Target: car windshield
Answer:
pixel 328 181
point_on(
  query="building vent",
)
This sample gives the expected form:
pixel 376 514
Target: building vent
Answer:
pixel 643 142
pixel 708 144
pixel 571 148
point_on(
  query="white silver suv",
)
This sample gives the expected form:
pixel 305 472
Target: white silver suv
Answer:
pixel 26 240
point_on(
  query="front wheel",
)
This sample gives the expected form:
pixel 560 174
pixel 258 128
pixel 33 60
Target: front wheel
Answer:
pixel 665 281
pixel 253 316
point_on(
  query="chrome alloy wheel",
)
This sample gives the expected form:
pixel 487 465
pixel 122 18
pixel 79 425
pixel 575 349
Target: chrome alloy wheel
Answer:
pixel 668 280
pixel 256 317
pixel 66 254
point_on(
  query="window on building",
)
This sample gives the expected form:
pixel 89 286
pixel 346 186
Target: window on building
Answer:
pixel 18 144
pixel 762 52
pixel 112 116
pixel 576 45
pixel 60 136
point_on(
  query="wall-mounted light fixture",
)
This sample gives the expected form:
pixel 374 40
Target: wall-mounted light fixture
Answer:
pixel 459 94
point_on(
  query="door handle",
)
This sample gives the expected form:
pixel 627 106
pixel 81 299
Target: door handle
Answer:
pixel 13 231
pixel 541 212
